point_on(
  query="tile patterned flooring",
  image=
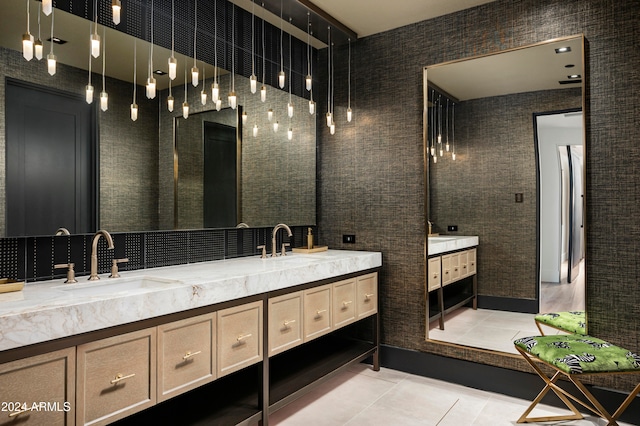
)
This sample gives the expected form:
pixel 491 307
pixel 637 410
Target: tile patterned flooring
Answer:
pixel 361 396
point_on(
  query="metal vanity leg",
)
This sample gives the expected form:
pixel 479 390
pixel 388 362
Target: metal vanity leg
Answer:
pixel 376 342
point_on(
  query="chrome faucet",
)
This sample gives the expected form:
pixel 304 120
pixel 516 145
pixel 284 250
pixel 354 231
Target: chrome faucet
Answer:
pixel 273 237
pixel 94 252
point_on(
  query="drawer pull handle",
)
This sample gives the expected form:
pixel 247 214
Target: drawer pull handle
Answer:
pixel 189 354
pixel 345 304
pixel 368 296
pixel 320 312
pixel 17 413
pixel 287 322
pixel 121 377
pixel 242 337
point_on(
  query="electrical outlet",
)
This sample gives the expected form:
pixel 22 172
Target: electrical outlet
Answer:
pixel 519 197
pixel 452 228
pixel 349 239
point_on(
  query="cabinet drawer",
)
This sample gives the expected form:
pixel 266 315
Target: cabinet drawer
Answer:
pixel 464 264
pixel 434 273
pixel 367 295
pixel 344 303
pixel 116 377
pixel 450 268
pixel 285 322
pixel 186 355
pixel 239 337
pixel 472 268
pixel 317 312
pixel 48 378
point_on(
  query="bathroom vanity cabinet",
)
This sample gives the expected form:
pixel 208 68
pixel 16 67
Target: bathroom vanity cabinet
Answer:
pixel 231 362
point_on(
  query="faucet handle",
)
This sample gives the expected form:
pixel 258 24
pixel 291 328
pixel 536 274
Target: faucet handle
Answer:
pixel 71 273
pixel 283 250
pixel 114 267
pixel 263 255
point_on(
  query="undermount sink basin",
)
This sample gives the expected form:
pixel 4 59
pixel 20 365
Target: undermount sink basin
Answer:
pixel 303 259
pixel 115 285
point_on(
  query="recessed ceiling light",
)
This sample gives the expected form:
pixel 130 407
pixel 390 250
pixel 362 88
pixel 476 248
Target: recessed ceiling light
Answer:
pixel 563 49
pixel 159 72
pixel 574 76
pixel 57 40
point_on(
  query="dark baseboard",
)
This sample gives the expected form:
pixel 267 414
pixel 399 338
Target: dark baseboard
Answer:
pixel 529 306
pixel 513 383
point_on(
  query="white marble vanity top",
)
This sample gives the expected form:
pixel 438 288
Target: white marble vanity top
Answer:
pixel 447 243
pixel 49 310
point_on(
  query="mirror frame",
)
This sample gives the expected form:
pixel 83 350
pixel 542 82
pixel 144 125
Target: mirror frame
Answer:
pixel 426 165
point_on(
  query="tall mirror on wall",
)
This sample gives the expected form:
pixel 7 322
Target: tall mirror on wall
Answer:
pixel 129 183
pixel 504 139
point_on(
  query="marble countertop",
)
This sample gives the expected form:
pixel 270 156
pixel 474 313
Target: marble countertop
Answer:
pixel 447 243
pixel 51 309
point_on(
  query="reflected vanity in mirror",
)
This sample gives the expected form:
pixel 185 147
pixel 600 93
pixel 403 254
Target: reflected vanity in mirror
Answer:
pixel 514 120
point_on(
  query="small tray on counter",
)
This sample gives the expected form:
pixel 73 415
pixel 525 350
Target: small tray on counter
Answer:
pixel 316 249
pixel 8 285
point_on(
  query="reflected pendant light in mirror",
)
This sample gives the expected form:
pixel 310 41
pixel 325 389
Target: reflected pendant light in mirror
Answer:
pixel 253 80
pixel 308 80
pixel 104 97
pixel 173 63
pixel 263 88
pixel 194 71
pixel 290 104
pixel 134 106
pixel 185 104
pixel 51 58
pixel 453 132
pixel 89 88
pixel 151 81
pixel 281 75
pixel 329 118
pixel 349 111
pixel 116 7
pixel 37 45
pixel 27 39
pixel 215 88
pixel 203 93
pixel 233 99
pixel 446 147
pixel 95 38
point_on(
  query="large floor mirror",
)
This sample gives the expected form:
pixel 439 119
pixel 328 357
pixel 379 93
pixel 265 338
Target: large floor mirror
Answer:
pixel 504 141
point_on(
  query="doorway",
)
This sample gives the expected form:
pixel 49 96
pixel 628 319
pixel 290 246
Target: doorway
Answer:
pixel 51 176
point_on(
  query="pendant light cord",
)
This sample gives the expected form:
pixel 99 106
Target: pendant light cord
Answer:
pixel 195 29
pixel 104 57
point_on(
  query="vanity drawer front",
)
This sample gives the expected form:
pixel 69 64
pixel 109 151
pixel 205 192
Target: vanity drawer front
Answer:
pixel 464 264
pixel 285 322
pixel 450 268
pixel 239 337
pixel 186 355
pixel 317 312
pixel 434 273
pixel 472 268
pixel 46 378
pixel 367 295
pixel 116 377
pixel 344 303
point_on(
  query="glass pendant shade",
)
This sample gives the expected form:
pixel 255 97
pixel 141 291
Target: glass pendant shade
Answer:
pixel 218 104
pixel 435 159
pixel 329 119
pixel 38 49
pixel 195 73
pixel 290 133
pixel 308 82
pixel 439 138
pixel 332 129
pixel 312 107
pixel 263 93
pixel 255 130
pixel 233 100
pixel 104 101
pixel 245 117
pixel 89 93
pixel 441 152
pixel 95 45
pixel 203 97
pixel 134 112
pixel 116 6
pixel 47 7
pixel 290 109
pixel 173 68
pixel 27 46
pixel 253 81
pixel 281 79
pixel 185 109
pixel 276 125
pixel 51 63
pixel 453 156
pixel 349 115
pixel 433 151
pixel 170 103
pixel 215 92
pixel 151 88
pixel 270 114
pixel 447 147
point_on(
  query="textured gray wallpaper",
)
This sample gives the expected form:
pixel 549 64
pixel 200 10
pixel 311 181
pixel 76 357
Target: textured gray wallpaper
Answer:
pixel 371 170
pixel 128 151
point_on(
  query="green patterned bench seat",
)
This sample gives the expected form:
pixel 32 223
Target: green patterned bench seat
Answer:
pixel 572 356
pixel 569 321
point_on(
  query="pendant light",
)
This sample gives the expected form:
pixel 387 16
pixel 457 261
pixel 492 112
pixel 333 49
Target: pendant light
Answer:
pixel 446 147
pixel 332 127
pixel 134 105
pixel 215 89
pixel 51 58
pixel 194 70
pixel 27 39
pixel 89 88
pixel 290 133
pixel 170 100
pixel 245 117
pixel 329 118
pixel 38 43
pixel 116 7
pixel 255 130
pixel 173 63
pixel 312 103
pixel 232 98
pixel 151 81
pixel 308 80
pixel 290 104
pixel 276 125
pixel 253 80
pixel 47 7
pixel 104 97
pixel 453 132
pixel 263 89
pixel 349 111
pixel 270 114
pixel 203 93
pixel 440 149
pixel 281 75
pixel 95 38
pixel 185 104
pixel 432 148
